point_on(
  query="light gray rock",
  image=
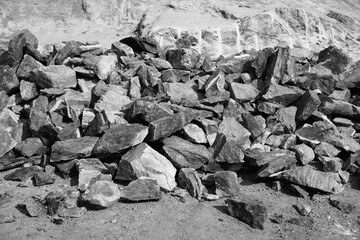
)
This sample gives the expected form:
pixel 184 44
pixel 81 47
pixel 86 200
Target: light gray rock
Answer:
pixel 194 133
pixel 54 76
pixel 101 194
pixel 142 189
pixel 189 179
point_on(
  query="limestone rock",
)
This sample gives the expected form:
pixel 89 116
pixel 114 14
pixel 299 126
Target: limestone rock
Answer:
pixel 189 179
pixel 54 76
pixel 248 209
pixel 101 194
pixel 142 189
pixel 179 91
pixel 118 138
pixel 149 111
pixel 227 150
pixel 90 169
pixel 286 116
pixel 143 161
pixel 184 154
pixel 73 148
pixel 114 99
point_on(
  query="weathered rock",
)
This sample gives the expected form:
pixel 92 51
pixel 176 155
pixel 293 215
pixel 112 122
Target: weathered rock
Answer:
pixel 4 100
pixel 7 218
pixel 28 90
pixel 179 91
pixel 227 150
pixel 226 184
pixel 309 177
pixel 325 83
pixel 143 161
pixel 9 162
pixel 276 165
pixel 248 209
pixel 334 59
pixel 260 61
pixel 90 169
pixel 194 133
pixel 101 65
pixel 149 111
pixel 284 95
pixel 189 179
pixel 326 149
pixel 8 80
pixel 73 148
pixel 175 75
pixel 27 64
pixel 114 99
pixel 243 92
pixel 135 88
pixel 350 77
pixel 142 189
pixel 33 207
pixel 101 194
pixel 183 59
pixel 143 44
pixel 210 128
pixel 159 63
pixel 257 157
pixel 331 164
pixel 42 178
pixel 184 154
pixel 118 138
pixel 304 153
pixel 306 105
pixel 286 116
pixel 30 147
pixel 232 129
pixel 166 126
pixel 23 174
pixel 277 63
pixel 71 49
pixel 15 51
pixel 54 76
pixel 215 83
pixel 344 207
pixel 7 142
pixel 251 124
pixel 67 168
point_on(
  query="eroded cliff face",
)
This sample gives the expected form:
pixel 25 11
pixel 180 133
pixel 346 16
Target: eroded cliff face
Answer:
pixel 208 26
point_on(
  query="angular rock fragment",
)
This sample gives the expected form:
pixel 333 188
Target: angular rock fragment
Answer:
pixel 183 59
pixel 251 124
pixel 344 207
pixel 31 147
pixel 326 149
pixel 326 84
pixel 350 77
pixel 334 59
pixel 148 111
pixel 276 165
pixel 28 90
pixel 286 116
pixel 26 66
pixel 33 207
pixel 159 63
pixel 114 99
pixel 101 194
pixel 304 153
pixel 42 178
pixel 73 148
pixel 23 174
pixel 142 189
pixel 331 164
pixel 7 142
pixel 184 154
pixel 55 76
pixel 71 49
pixel 143 161
pixel 226 184
pixel 194 133
pixel 283 95
pixel 260 61
pixel 175 75
pixel 101 65
pixel 118 138
pixel 189 179
pixel 243 92
pixel 15 51
pixel 227 150
pixel 248 209
pixel 8 80
pixel 256 157
pixel 309 177
pixel 215 83
pixel 277 63
pixel 90 169
pixel 306 105
pixel 179 91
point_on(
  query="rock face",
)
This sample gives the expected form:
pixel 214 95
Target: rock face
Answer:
pixel 249 210
pixel 143 161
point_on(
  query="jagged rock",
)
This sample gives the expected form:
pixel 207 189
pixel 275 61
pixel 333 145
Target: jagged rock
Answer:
pixel 101 194
pixel 194 133
pixel 175 75
pixel 277 63
pixel 227 150
pixel 28 90
pixel 184 154
pixel 149 111
pixel 260 61
pixel 143 44
pixel 283 95
pixel 27 64
pixel 215 83
pixel 142 189
pixel 166 126
pixel 88 115
pixel 54 76
pixel 66 168
pixel 70 49
pixel 344 207
pixel 30 147
pixel 15 51
pixel 23 174
pixel 304 153
pixel 183 59
pixel 342 95
pixel 286 116
pixel 159 63
pixel 118 138
pixel 7 144
pixel 251 124
pixel 339 108
pixel 232 129
pixel 331 164
pixel 135 88
pixel 276 165
pixel 9 162
pixel 326 84
pixel 114 99
pixel 297 190
pixel 73 148
pixel 179 91
pixel 8 80
pixel 226 184
pixel 248 209
pixel 350 77
pixel 326 149
pixel 334 59
pixel 257 157
pixel 309 177
pixel 143 161
pixel 7 218
pixel 243 92
pixel 210 128
pixel 98 125
pixel 33 207
pixel 4 100
pixel 90 169
pixel 101 65
pixel 307 104
pixel 42 178
pixel 189 179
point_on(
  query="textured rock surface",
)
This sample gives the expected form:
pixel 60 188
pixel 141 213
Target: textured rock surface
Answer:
pixel 142 189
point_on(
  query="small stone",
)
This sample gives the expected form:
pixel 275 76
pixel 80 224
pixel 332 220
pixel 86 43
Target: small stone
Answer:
pixel 54 76
pixel 194 133
pixel 179 91
pixel 305 221
pixel 189 179
pixel 303 209
pixel 142 189
pixel 90 169
pixel 75 212
pixel 175 75
pixel 55 201
pixel 248 209
pixel 215 83
pixel 28 90
pixel 227 184
pixel 135 88
pixel 227 150
pixel 101 194
pixel 334 59
pixel 42 178
pixel 331 164
pixel 344 207
pixel 159 63
pixel 304 153
pixel 31 146
pixel 297 190
pixel 276 165
pixel 326 149
pixel 33 207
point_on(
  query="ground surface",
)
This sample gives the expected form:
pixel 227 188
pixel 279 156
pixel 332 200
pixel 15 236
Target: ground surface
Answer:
pixel 171 218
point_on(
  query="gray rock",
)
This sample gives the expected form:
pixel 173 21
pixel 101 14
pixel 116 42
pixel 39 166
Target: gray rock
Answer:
pixel 101 194
pixel 184 154
pixel 286 116
pixel 54 76
pixel 345 207
pixel 135 88
pixel 30 147
pixel 304 153
pixel 326 149
pixel 226 183
pixel 142 189
pixel 260 61
pixel 7 218
pixel 194 133
pixel 42 178
pixel 252 125
pixel 276 67
pixel 350 77
pixel 28 90
pixel 159 63
pixel 118 138
pixel 248 209
pixel 113 99
pixel 73 148
pixel 276 165
pixel 232 129
pixel 334 59
pixel 189 179
pixel 215 83
pixel 175 75
pixel 183 58
pixel 227 150
pixel 342 95
pixel 309 177
pixel 8 80
pixel 149 111
pixel 258 158
pixel 23 174
pixel 90 169
pixel 306 105
pixel 243 92
pixel 283 95
pixel 143 161
pixel 179 91
pixel 331 164
pixel 4 100
pixel 33 207
pixel 26 66
pixel 101 65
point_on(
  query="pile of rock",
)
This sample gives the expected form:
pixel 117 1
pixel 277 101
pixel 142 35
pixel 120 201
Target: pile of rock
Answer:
pixel 136 114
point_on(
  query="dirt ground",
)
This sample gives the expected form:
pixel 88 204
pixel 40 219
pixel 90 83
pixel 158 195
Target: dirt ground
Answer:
pixel 171 218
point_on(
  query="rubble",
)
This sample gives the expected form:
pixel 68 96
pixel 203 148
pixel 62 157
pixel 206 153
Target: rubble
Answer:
pixel 154 120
